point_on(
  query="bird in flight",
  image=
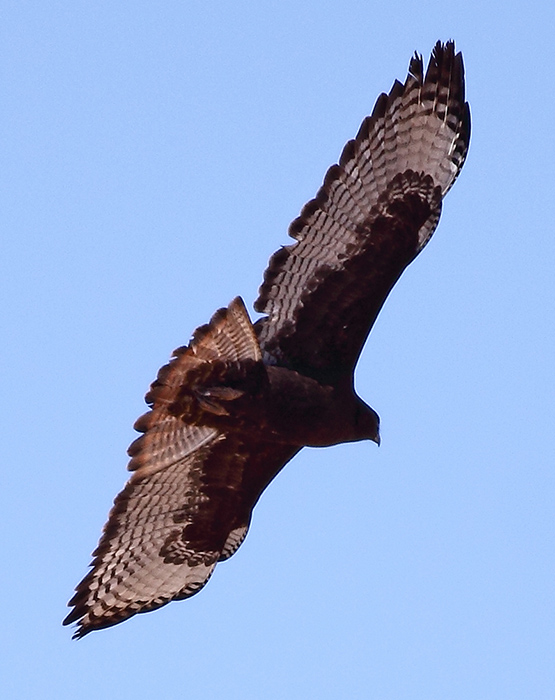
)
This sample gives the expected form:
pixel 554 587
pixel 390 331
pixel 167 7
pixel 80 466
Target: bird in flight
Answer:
pixel 234 406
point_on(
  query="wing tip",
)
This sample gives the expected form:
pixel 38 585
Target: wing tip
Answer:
pixel 439 89
pixel 85 624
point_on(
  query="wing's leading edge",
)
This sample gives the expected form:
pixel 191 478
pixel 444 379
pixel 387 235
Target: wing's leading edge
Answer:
pixel 374 213
pixel 189 500
pixel 235 405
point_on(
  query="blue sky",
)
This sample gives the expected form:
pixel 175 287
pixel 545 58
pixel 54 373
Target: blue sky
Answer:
pixel 153 156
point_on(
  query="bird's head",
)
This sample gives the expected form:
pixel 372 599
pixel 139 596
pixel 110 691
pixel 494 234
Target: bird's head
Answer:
pixel 367 423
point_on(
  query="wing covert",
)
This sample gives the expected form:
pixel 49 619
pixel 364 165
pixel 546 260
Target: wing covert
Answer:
pixel 189 500
pixel 389 182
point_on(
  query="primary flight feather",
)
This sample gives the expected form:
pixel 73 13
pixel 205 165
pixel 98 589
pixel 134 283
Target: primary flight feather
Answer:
pixel 235 405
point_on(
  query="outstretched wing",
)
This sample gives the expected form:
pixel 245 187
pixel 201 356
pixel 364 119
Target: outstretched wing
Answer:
pixel 189 501
pixel 374 213
pixel 167 531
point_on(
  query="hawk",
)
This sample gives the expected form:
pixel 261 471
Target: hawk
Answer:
pixel 236 404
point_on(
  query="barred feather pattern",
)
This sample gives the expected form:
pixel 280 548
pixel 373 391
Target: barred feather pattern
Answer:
pixel 142 562
pixel 183 508
pixel 421 127
pixel 213 438
pixel 167 439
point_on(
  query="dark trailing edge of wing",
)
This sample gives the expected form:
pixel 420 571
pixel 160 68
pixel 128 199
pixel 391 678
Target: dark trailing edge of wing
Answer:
pixel 321 304
pixel 223 421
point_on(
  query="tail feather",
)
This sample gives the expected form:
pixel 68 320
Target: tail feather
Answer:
pixel 167 439
pixel 228 336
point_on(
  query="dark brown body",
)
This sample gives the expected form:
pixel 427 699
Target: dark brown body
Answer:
pixel 278 404
pixel 235 405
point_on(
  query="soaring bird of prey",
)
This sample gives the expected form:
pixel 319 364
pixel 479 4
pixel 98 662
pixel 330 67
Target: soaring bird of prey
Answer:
pixel 236 404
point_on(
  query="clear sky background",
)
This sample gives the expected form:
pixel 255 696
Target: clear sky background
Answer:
pixel 153 155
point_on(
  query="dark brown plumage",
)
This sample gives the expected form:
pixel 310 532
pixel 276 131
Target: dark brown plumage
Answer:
pixel 235 405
